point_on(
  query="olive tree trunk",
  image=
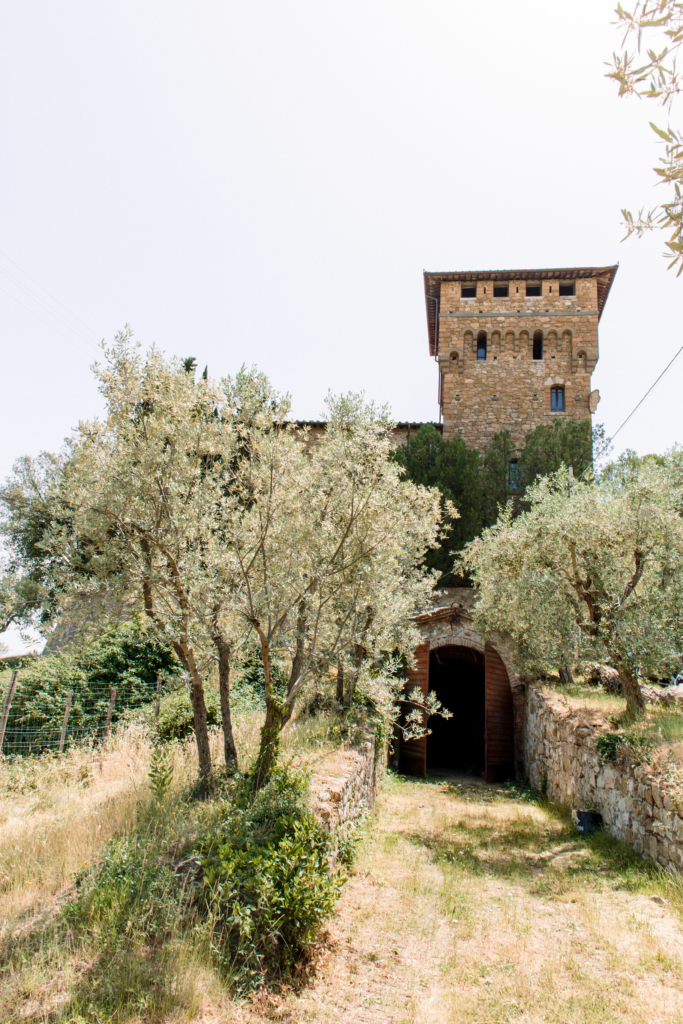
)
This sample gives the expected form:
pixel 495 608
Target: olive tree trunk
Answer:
pixel 201 726
pixel 229 747
pixel 635 702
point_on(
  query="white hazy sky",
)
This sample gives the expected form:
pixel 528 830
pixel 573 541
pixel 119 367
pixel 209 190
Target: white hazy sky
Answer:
pixel 264 182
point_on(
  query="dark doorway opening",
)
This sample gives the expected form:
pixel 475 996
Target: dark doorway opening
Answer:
pixel 457 678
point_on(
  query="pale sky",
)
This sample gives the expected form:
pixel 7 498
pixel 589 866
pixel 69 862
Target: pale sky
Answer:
pixel 264 182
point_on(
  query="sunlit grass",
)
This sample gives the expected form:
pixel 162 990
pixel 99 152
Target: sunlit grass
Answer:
pixel 660 723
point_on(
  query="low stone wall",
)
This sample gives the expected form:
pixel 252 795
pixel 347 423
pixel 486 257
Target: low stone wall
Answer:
pixel 561 757
pixel 345 785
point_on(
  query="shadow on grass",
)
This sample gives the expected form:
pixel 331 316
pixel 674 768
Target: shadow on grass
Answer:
pixel 543 852
pixel 132 980
pixel 49 974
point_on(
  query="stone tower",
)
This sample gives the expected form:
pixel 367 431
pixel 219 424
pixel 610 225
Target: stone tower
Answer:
pixel 515 348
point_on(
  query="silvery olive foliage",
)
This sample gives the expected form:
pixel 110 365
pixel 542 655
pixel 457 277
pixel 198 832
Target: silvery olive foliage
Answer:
pixel 594 572
pixel 650 71
pixel 225 522
pixel 134 511
pixel 326 544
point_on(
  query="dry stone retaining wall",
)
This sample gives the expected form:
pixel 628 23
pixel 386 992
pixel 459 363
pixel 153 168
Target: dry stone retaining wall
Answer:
pixel 345 786
pixel 562 757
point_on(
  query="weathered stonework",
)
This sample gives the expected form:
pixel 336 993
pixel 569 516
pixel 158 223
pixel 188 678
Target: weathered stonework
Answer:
pixel 345 786
pixel 561 757
pixel 451 625
pixel 510 389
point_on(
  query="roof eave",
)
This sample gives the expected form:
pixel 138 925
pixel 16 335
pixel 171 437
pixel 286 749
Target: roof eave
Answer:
pixel 433 279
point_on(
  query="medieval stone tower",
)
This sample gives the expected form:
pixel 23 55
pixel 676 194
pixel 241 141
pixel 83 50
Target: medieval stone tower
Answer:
pixel 515 348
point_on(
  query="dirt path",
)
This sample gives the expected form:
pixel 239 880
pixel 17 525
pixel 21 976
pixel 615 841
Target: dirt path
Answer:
pixel 468 904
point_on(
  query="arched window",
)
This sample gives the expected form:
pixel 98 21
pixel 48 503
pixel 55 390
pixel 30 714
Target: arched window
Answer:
pixel 582 360
pixel 481 345
pixel 454 360
pixel 538 344
pixel 557 399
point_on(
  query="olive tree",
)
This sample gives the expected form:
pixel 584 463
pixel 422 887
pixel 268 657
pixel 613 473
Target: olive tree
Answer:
pixel 326 542
pixel 134 512
pixel 603 561
pixel 201 503
pixel 649 70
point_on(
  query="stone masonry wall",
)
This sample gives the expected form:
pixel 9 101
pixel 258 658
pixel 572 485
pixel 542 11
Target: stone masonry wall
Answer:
pixel 510 389
pixel 561 756
pixel 345 785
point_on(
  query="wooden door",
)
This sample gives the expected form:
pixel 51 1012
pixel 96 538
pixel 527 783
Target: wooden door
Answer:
pixel 500 752
pixel 412 758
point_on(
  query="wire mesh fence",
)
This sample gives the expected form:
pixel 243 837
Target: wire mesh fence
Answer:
pixel 38 716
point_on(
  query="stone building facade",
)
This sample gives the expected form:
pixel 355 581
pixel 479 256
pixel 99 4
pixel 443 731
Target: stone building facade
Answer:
pixel 515 348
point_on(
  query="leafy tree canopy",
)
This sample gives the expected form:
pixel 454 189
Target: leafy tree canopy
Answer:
pixel 607 558
pixel 551 445
pixel 479 485
pixel 430 460
pixel 201 504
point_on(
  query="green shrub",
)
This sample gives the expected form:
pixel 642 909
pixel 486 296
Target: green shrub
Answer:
pixel 270 894
pixel 268 887
pixel 348 839
pixel 259 900
pixel 176 718
pixel 161 772
pixel 612 745
pixel 123 655
pixel 130 893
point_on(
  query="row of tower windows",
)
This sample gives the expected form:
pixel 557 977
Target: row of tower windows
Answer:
pixel 537 348
pixel 468 289
pixel 523 336
pixel 537 342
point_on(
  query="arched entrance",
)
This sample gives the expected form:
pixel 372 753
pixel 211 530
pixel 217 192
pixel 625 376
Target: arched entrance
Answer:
pixel 457 678
pixel 453 672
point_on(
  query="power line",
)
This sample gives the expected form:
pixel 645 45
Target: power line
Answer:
pixel 78 343
pixel 44 305
pixel 653 386
pixel 54 299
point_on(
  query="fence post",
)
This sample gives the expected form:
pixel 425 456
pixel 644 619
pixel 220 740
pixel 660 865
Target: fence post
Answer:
pixel 110 712
pixel 67 709
pixel 7 705
pixel 158 705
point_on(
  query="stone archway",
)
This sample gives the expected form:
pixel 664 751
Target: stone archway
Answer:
pixel 451 628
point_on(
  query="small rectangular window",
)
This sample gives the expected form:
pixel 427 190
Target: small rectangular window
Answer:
pixel 468 291
pixel 567 288
pixel 557 399
pixel 538 345
pixel 500 291
pixel 513 478
pixel 533 289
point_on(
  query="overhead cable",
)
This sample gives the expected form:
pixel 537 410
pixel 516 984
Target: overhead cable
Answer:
pixel 651 388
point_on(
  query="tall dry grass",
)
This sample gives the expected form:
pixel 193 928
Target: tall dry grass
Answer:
pixel 56 812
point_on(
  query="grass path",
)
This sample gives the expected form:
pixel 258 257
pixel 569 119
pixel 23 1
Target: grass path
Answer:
pixel 469 904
